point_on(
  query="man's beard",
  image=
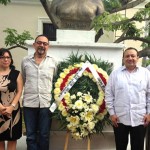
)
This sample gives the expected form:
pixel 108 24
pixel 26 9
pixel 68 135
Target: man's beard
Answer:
pixel 41 50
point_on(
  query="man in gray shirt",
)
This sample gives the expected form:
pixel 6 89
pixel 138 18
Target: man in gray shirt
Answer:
pixel 38 70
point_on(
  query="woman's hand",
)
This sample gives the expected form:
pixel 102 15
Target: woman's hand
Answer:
pixel 8 111
pixel 2 109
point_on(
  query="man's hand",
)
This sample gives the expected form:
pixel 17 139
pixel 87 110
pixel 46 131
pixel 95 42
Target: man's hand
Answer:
pixel 114 120
pixel 146 119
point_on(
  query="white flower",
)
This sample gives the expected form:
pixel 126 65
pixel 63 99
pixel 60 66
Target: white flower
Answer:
pixel 88 98
pixel 91 125
pixel 74 120
pixel 73 96
pixel 72 128
pixel 89 116
pixel 79 94
pixel 78 104
pixel 95 108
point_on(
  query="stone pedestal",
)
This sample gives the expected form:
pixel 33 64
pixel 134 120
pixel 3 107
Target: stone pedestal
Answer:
pixel 69 41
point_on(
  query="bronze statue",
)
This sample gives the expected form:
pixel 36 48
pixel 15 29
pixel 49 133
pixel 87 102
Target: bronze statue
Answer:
pixel 73 14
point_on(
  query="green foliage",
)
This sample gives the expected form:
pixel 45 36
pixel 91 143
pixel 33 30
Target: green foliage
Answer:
pixel 128 26
pixel 142 14
pixel 146 62
pixel 13 38
pixel 77 58
pixel 5 2
pixel 109 22
pixel 111 4
pixel 131 30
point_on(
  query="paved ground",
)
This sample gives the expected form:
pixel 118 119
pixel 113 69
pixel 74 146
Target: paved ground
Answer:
pixel 21 143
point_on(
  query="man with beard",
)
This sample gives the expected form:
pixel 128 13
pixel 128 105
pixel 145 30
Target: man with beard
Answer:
pixel 38 70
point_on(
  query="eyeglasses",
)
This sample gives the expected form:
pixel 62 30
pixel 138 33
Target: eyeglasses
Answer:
pixel 3 57
pixel 40 43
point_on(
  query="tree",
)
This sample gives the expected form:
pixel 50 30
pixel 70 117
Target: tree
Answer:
pixel 5 2
pixel 14 40
pixel 111 20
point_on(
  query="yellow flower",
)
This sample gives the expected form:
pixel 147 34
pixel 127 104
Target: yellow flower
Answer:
pixel 61 106
pixel 56 97
pixel 60 80
pixel 57 84
pixel 68 101
pixel 78 65
pixel 64 112
pixel 67 96
pixel 70 67
pixel 94 80
pixel 95 108
pixel 100 70
pixel 95 66
pixel 100 116
pixel 57 91
pixel 62 75
pixel 74 120
pixel 66 71
pixel 85 73
pixel 91 75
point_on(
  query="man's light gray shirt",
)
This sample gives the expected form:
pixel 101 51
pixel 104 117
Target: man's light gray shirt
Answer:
pixel 38 81
pixel 128 95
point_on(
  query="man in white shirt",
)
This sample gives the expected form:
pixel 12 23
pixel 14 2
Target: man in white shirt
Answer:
pixel 127 97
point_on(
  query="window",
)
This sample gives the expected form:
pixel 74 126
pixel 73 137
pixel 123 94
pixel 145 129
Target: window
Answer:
pixel 50 31
pixel 47 28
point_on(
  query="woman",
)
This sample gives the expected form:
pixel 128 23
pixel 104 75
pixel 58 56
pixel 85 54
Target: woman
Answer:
pixel 11 86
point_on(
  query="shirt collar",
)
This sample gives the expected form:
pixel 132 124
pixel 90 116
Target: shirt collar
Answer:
pixel 124 68
pixel 32 56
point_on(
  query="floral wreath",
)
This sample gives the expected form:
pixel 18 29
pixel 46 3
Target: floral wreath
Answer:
pixel 82 110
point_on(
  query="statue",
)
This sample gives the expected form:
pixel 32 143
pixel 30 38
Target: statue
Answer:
pixel 73 14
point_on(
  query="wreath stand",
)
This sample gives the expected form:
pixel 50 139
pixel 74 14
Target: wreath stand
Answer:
pixel 67 141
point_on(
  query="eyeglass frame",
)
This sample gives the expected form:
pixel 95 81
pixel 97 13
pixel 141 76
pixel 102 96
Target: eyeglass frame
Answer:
pixel 7 57
pixel 40 42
